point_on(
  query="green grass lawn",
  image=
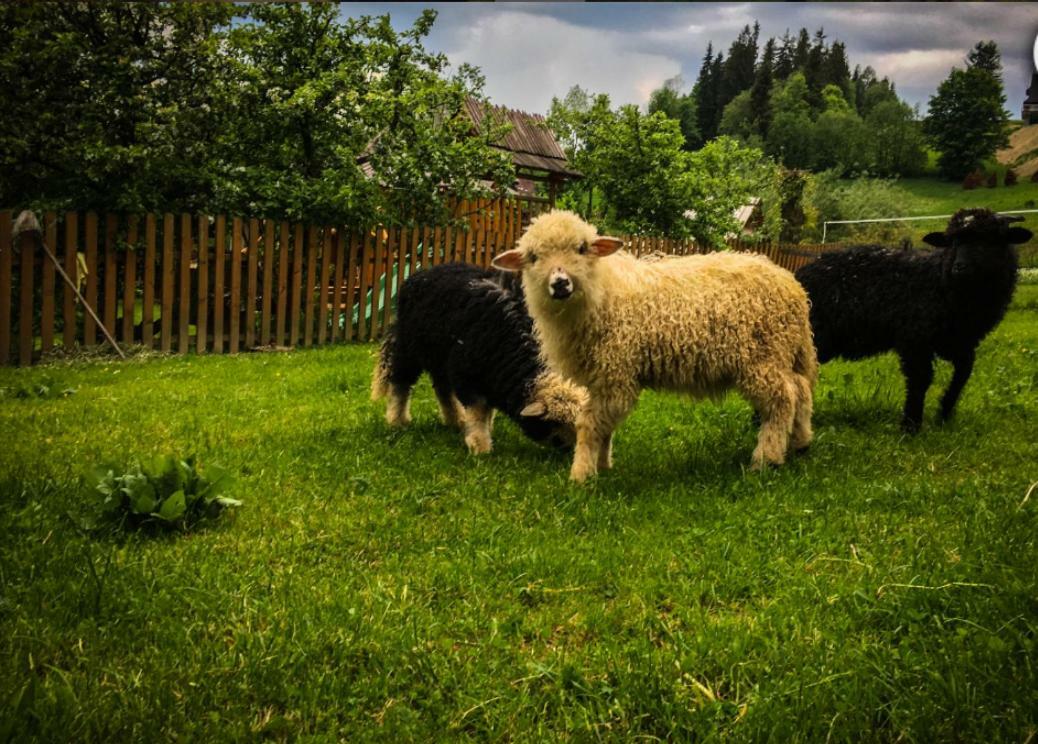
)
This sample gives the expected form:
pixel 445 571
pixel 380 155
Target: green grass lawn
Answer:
pixel 385 585
pixel 925 196
pixel 918 197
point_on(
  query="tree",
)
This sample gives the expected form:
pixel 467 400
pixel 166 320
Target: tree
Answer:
pixel 898 146
pixel 985 56
pixel 717 180
pixel 311 94
pixel 109 105
pixel 738 72
pixel 738 120
pixel 814 70
pixel 967 120
pixel 258 110
pixel 790 137
pixel 669 99
pixel 784 58
pixel 575 121
pixel 706 94
pixel 760 93
pixel 638 165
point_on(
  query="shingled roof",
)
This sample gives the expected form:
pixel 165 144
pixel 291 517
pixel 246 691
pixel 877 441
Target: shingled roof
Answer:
pixel 530 143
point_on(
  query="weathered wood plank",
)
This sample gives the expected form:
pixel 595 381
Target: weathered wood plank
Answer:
pixel 219 264
pixel 403 245
pixel 350 280
pixel 363 259
pixel 297 280
pixel 309 290
pixel 26 277
pixel 69 300
pixel 234 310
pixel 89 326
pixel 184 307
pixel 281 321
pixel 339 256
pixel 166 269
pixel 50 238
pixel 6 271
pixel 387 300
pixel 250 293
pixel 202 317
pixel 376 284
pixel 268 281
pixel 148 290
pixel 130 278
pixel 110 273
pixel 322 288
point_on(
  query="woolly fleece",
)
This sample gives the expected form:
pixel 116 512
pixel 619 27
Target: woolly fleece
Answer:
pixel 696 324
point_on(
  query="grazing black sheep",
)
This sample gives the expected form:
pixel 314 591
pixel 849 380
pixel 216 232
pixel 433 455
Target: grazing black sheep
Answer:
pixel 869 299
pixel 469 329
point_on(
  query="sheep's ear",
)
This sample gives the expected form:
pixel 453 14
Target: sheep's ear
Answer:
pixel 509 260
pixel 537 408
pixel 606 246
pixel 1018 234
pixel 937 240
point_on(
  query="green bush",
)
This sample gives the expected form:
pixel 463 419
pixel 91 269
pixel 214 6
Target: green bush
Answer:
pixel 166 492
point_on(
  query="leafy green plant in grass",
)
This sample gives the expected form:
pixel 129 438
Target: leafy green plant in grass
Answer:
pixel 42 388
pixel 166 492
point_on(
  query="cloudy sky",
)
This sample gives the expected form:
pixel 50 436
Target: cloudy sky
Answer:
pixel 530 52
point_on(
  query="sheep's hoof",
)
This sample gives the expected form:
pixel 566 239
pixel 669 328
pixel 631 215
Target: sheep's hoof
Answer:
pixel 398 420
pixel 579 475
pixel 478 445
pixel 759 463
pixel 909 426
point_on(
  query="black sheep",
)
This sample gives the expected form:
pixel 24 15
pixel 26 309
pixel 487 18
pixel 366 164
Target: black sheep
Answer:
pixel 469 329
pixel 868 299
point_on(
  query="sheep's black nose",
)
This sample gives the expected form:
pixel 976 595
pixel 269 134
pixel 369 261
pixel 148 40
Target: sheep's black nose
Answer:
pixel 561 288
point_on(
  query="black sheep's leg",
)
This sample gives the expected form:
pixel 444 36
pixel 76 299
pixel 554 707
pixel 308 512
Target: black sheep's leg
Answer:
pixel 918 370
pixel 963 369
pixel 450 410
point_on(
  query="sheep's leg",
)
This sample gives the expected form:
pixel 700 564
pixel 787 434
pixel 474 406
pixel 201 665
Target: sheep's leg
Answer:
pixel 398 406
pixel 918 371
pixel 800 440
pixel 478 423
pixel 774 394
pixel 595 428
pixel 963 370
pixel 605 453
pixel 451 412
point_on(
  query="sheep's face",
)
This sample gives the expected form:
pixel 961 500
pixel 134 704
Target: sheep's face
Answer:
pixel 558 255
pixel 552 412
pixel 972 252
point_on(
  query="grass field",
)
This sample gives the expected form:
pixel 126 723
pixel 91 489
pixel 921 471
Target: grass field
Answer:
pixel 385 585
pixel 917 197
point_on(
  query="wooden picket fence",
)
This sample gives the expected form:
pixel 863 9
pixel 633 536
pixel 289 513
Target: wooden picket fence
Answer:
pixel 180 283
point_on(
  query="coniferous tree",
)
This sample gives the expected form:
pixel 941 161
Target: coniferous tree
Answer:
pixel 801 50
pixel 985 56
pixel 814 72
pixel 705 92
pixel 760 93
pixel 784 58
pixel 739 68
pixel 836 70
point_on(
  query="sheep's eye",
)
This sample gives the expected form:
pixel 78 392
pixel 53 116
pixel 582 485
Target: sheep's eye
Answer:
pixel 531 258
pixel 583 248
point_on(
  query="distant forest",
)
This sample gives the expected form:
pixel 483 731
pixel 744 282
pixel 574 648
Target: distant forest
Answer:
pixel 799 101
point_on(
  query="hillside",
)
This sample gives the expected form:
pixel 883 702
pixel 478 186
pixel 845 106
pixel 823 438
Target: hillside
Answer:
pixel 1022 153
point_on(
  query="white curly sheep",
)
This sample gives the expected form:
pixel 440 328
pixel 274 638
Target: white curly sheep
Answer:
pixel 698 324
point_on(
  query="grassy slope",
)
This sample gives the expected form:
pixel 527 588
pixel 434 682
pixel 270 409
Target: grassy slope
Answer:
pixel 931 196
pixel 381 584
